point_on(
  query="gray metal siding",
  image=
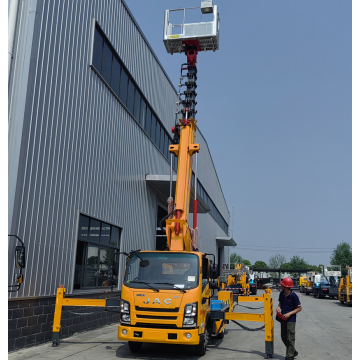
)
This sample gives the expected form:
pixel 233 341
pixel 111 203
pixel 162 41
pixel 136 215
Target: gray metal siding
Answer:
pixel 209 179
pixel 81 151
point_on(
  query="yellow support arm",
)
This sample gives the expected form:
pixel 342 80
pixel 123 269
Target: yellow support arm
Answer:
pixel 62 301
pixel 244 316
pixel 266 317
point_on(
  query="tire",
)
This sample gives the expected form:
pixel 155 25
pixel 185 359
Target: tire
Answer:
pixel 342 301
pixel 200 349
pixel 135 346
pixel 307 293
pixel 348 304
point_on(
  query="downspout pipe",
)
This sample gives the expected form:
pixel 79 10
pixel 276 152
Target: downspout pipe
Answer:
pixel 13 9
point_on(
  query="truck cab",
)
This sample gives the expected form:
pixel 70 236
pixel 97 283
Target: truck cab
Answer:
pixel 302 283
pixel 166 299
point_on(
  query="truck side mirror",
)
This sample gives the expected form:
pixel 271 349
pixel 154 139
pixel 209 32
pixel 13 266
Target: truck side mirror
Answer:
pixel 20 256
pixel 214 271
pixel 213 285
pixel 115 265
pixel 115 268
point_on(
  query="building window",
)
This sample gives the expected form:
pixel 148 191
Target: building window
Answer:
pixel 97 50
pixel 106 63
pixel 153 128
pixel 123 86
pixel 96 245
pixel 130 98
pixel 148 121
pixel 137 106
pixel 115 76
pixel 114 73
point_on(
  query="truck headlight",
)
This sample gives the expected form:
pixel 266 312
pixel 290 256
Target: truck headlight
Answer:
pixel 190 315
pixel 125 312
pixel 125 318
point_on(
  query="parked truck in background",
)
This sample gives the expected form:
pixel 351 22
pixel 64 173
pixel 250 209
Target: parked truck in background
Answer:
pixel 326 284
pixel 303 283
pixel 307 285
pixel 345 288
pixel 237 280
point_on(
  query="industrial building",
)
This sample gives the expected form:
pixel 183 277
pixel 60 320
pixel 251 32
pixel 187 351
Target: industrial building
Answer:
pixel 90 117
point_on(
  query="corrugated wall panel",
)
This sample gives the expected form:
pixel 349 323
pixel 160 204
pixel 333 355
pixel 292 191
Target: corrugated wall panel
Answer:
pixel 83 151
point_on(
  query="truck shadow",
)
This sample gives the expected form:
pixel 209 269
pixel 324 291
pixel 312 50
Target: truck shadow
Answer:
pixel 158 351
pixel 171 351
pixel 325 298
pixel 338 303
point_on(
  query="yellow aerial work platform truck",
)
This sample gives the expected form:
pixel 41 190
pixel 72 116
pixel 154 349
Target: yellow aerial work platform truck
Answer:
pixel 168 296
pixel 237 280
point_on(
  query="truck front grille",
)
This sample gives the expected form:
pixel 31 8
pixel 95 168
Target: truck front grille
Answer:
pixel 156 317
pixel 156 326
pixel 138 308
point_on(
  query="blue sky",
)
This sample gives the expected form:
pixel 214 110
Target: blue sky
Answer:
pixel 274 104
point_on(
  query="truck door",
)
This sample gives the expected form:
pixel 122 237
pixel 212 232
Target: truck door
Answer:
pixel 206 292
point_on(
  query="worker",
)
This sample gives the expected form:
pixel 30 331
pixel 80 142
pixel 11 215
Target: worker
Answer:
pixel 289 306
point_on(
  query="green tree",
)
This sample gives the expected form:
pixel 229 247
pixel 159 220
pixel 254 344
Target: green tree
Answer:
pixel 315 268
pixel 235 259
pixel 296 262
pixel 342 255
pixel 285 266
pixel 246 262
pixel 275 262
pixel 260 265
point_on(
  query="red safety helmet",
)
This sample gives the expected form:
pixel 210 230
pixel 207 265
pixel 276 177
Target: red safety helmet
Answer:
pixel 287 282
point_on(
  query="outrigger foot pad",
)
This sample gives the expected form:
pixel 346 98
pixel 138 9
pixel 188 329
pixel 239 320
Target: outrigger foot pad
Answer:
pixel 55 339
pixel 269 349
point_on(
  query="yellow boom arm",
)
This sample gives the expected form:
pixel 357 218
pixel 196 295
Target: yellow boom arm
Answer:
pixel 177 228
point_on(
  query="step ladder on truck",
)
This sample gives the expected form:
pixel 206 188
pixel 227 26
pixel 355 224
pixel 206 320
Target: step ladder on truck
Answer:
pixel 167 296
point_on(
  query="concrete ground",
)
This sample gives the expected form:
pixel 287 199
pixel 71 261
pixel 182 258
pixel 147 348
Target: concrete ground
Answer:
pixel 323 330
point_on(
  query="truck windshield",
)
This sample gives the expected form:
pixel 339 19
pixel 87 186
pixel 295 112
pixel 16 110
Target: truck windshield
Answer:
pixel 182 270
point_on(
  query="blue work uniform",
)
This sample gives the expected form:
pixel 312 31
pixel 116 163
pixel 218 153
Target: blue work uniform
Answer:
pixel 288 304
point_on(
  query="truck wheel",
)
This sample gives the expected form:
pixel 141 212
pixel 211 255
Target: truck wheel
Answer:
pixel 348 304
pixel 135 346
pixel 200 349
pixel 342 301
pixel 306 293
